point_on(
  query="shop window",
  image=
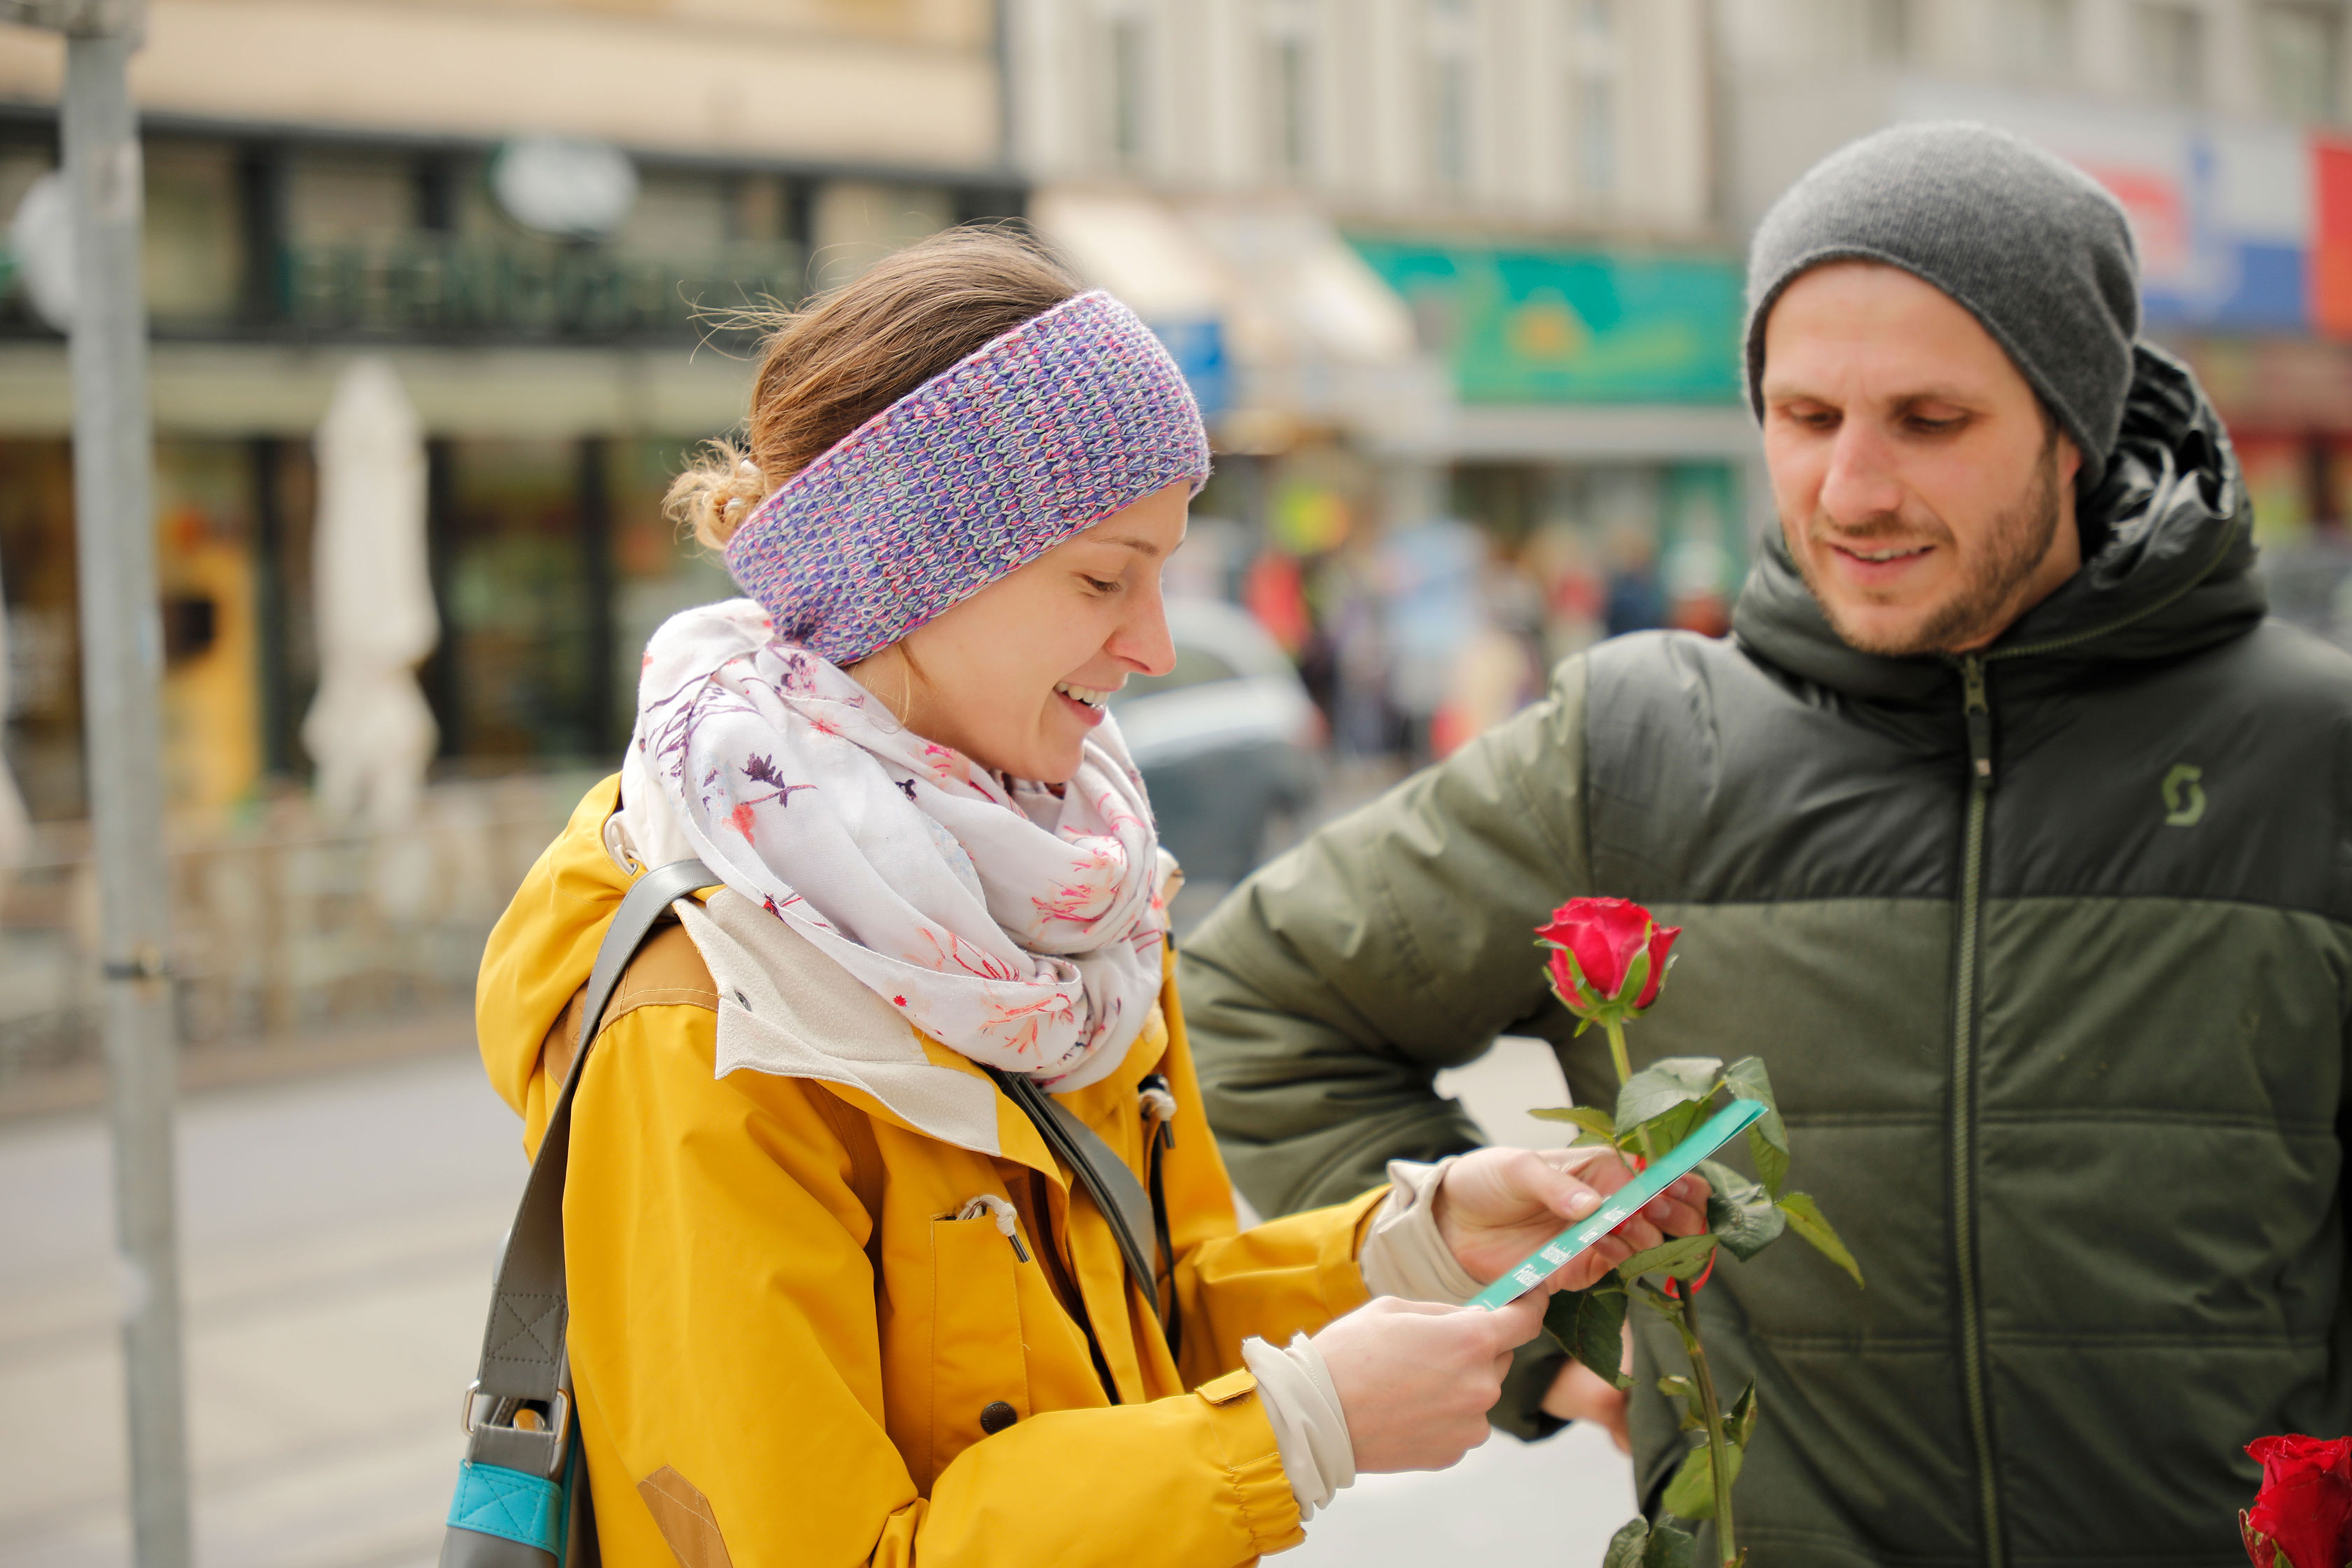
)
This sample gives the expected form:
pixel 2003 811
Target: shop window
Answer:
pixel 1888 31
pixel 194 259
pixel 21 164
pixel 2302 60
pixel 1449 96
pixel 516 679
pixel 858 222
pixel 338 197
pixel 286 504
pixel 36 573
pixel 2278 472
pixel 1289 102
pixel 2037 41
pixel 1127 46
pixel 659 567
pixel 207 574
pixel 1594 58
pixel 2168 50
pixel 677 213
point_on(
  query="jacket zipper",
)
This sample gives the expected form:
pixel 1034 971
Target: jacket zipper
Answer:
pixel 1975 712
pixel 1975 709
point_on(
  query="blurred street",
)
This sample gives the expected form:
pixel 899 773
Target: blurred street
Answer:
pixel 338 1236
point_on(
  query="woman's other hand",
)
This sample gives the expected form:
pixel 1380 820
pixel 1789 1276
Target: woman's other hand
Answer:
pixel 1415 1379
pixel 1496 1206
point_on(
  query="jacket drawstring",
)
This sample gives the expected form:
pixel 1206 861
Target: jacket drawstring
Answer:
pixel 1158 1104
pixel 1008 1219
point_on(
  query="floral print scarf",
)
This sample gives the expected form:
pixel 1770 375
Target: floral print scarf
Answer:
pixel 1022 927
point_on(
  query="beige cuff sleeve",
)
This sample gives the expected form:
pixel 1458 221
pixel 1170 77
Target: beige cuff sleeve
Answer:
pixel 1404 1255
pixel 1310 1431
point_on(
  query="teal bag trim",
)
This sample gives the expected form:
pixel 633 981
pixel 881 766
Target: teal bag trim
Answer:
pixel 494 1500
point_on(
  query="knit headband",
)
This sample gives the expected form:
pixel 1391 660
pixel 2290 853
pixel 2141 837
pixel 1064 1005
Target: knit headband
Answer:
pixel 1039 434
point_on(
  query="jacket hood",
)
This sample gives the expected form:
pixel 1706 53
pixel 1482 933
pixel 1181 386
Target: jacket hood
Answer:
pixel 2173 574
pixel 542 948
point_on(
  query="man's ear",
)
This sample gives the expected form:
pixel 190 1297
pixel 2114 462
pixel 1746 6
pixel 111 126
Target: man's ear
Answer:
pixel 2070 460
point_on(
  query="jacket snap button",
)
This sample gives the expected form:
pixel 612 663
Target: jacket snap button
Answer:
pixel 997 1416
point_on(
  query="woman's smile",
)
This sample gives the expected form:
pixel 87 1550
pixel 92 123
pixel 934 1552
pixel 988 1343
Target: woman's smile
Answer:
pixel 1087 704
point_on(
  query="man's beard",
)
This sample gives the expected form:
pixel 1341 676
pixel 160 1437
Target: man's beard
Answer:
pixel 2015 547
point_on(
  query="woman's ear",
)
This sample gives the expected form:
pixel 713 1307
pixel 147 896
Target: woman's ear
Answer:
pixel 889 674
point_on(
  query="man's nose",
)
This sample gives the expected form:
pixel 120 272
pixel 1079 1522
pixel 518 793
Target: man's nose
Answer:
pixel 1862 482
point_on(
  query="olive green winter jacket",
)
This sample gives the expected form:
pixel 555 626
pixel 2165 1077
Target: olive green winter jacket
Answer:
pixel 2049 951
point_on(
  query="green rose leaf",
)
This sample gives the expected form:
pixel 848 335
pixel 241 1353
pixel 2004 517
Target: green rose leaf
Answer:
pixel 1681 1257
pixel 1663 1085
pixel 1740 1425
pixel 1625 1546
pixel 1767 1141
pixel 1739 1211
pixel 1674 1126
pixel 1805 1214
pixel 1675 1386
pixel 1691 1494
pixel 1598 1125
pixel 1670 1548
pixel 1591 1326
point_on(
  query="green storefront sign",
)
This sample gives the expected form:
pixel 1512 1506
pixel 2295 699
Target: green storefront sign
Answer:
pixel 1525 325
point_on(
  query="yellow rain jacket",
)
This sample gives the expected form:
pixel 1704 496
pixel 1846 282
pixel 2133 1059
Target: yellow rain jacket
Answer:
pixel 783 1339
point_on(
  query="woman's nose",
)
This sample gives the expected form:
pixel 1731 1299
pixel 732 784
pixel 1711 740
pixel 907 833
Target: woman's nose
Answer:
pixel 1143 640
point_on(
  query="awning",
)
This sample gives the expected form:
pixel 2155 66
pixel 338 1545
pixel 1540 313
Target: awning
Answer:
pixel 1276 320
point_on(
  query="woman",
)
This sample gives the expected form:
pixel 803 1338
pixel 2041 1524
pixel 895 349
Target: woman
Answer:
pixel 834 1298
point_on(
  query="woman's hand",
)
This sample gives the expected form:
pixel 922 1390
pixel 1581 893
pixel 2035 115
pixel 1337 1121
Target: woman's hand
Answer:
pixel 1415 1379
pixel 1496 1206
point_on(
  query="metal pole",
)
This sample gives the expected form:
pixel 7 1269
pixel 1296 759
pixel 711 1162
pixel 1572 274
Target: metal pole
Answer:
pixel 121 653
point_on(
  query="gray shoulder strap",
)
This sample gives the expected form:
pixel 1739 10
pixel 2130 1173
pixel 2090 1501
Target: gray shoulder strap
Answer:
pixel 522 1350
pixel 1114 1188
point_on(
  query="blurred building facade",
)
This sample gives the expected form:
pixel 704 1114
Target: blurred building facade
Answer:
pixel 1453 284
pixel 529 208
pixel 2224 127
pixel 341 177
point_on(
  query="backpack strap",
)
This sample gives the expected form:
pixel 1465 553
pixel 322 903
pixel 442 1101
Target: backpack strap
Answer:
pixel 1116 1193
pixel 523 1365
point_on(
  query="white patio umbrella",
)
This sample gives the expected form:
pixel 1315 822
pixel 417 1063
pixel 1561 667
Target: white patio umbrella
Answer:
pixel 369 730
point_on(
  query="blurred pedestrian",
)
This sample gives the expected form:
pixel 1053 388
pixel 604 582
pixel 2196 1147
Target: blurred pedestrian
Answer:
pixel 834 1296
pixel 2010 809
pixel 1632 602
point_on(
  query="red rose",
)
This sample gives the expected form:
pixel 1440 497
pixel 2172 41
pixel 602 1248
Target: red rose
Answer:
pixel 1595 945
pixel 2302 1518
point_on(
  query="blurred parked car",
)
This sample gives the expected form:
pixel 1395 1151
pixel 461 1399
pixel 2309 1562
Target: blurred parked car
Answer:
pixel 1228 741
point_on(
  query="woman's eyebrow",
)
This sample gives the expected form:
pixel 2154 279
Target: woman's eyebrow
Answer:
pixel 1143 547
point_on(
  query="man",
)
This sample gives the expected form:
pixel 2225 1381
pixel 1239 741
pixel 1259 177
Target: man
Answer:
pixel 2004 828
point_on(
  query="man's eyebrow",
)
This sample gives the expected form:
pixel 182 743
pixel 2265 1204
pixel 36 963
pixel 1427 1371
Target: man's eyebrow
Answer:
pixel 1786 392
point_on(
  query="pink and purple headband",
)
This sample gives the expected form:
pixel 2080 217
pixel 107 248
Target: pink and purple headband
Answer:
pixel 982 468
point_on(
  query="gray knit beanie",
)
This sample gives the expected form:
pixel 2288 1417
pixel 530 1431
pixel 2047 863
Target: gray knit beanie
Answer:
pixel 2033 246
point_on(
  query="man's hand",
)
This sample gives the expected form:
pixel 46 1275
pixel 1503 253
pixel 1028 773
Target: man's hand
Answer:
pixel 1496 1206
pixel 1580 1394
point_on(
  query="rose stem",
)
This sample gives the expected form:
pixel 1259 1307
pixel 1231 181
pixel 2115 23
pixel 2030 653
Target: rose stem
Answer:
pixel 1685 1315
pixel 1624 1065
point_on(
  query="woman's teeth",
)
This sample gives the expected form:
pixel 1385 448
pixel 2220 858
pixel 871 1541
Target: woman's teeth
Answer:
pixel 1085 694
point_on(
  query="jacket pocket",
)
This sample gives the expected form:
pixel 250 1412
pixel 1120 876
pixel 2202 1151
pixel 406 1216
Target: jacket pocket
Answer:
pixel 980 1371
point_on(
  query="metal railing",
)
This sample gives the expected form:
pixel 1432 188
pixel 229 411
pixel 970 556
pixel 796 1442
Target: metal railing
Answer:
pixel 433 285
pixel 283 930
